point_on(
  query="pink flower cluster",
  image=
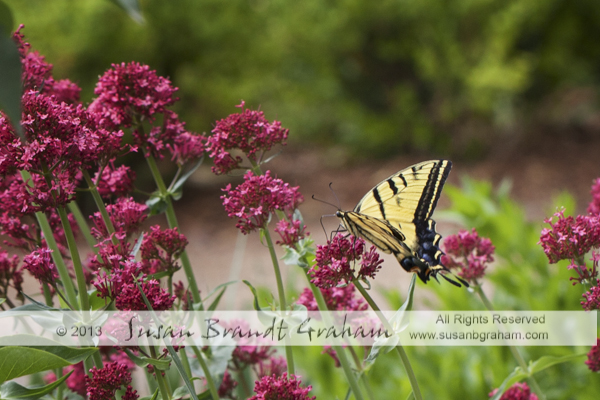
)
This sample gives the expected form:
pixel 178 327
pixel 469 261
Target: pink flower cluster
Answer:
pixel 161 249
pixel 115 181
pixel 126 216
pixel 337 299
pixel 592 298
pixel 253 201
pixel 10 274
pixel 131 93
pixel 121 287
pixel 570 238
pixel 39 263
pixel 469 253
pixel 593 357
pixel 281 388
pixel 248 131
pixel 37 74
pixel 290 232
pixel 518 391
pixel 104 382
pixel 342 260
pixel 594 206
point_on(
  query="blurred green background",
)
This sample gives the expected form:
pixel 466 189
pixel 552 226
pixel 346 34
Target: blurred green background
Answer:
pixel 455 78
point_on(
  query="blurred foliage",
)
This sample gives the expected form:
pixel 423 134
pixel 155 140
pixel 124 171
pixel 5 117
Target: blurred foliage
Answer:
pixel 520 279
pixel 381 77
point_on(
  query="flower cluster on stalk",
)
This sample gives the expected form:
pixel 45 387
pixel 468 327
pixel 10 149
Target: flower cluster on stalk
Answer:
pixel 518 391
pixel 249 132
pixel 593 357
pixel 469 253
pixel 253 201
pixel 342 260
pixel 283 387
pixel 104 382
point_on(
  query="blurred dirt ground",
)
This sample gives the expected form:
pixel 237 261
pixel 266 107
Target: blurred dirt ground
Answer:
pixel 539 170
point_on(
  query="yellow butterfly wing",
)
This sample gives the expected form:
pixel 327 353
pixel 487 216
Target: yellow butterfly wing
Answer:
pixel 396 216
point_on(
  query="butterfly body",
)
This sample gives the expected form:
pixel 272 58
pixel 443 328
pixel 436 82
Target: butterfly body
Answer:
pixel 396 217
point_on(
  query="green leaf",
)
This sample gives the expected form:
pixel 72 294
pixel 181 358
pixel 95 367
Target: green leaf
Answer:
pixel 548 361
pixel 10 73
pixel 2 300
pixel 156 204
pixel 177 188
pixel 20 360
pixel 142 361
pixel 7 23
pixel 399 321
pixel 132 8
pixel 215 302
pixel 153 397
pixel 12 390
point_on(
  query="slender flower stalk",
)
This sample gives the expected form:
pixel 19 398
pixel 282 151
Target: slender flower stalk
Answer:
pixel 399 348
pixel 100 205
pixel 515 352
pixel 172 221
pixel 340 351
pixel 281 292
pixel 162 383
pixel 209 381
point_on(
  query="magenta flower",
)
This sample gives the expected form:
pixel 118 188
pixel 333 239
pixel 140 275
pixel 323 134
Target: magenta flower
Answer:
pixel 281 388
pixel 274 366
pixel 111 256
pixel 115 181
pixel 10 273
pixel 37 74
pixel 291 232
pixel 126 216
pixel 75 382
pixel 337 263
pixel 570 238
pixel 39 263
pixel 160 249
pixel 130 92
pixel 469 253
pixel 337 299
pixel 253 201
pixel 592 298
pixel 121 287
pixel 227 386
pixel 104 382
pixel 248 131
pixel 518 391
pixel 593 357
pixel 594 206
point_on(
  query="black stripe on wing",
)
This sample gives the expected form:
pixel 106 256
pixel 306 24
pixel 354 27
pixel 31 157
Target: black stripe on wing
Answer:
pixel 432 191
pixel 379 232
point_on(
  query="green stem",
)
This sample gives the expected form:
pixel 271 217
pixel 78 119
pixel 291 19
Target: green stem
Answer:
pixel 340 351
pixel 162 385
pixel 289 354
pixel 209 380
pixel 84 303
pixel 110 228
pixel 399 349
pixel 172 220
pixel 186 363
pixel 84 228
pixel 63 272
pixel 515 352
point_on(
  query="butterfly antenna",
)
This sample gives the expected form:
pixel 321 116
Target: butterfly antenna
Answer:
pixel 325 202
pixel 339 206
